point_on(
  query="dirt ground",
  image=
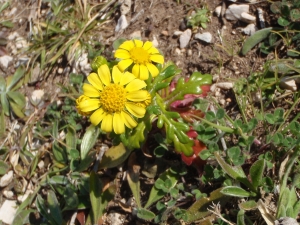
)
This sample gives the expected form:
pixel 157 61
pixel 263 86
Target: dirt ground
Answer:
pixel 158 20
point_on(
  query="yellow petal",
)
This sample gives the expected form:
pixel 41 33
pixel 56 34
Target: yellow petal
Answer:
pixel 137 96
pixel 107 123
pixel 94 80
pixel 124 64
pixel 147 45
pixel 138 43
pixel 118 124
pixel 90 90
pixel 137 111
pixel 153 50
pixel 157 58
pixel 127 45
pixel 136 70
pixel 153 69
pixel 135 85
pixel 144 73
pixel 97 117
pixel 116 74
pixel 89 105
pixel 104 74
pixel 126 78
pixel 122 54
pixel 128 120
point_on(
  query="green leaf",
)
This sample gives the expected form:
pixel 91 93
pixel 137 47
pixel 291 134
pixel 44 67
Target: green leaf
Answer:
pixel 235 192
pixel 283 22
pixel 59 153
pixel 3 167
pixel 54 208
pixel 4 104
pixel 22 217
pixel 241 217
pixel 17 97
pixel 134 183
pixel 88 141
pixel 16 78
pixel 71 138
pixel 145 214
pixel 157 193
pixel 7 23
pixel 4 6
pixel 17 109
pixel 199 209
pixel 71 198
pixel 256 38
pixel 248 205
pixel 256 172
pixel 236 172
pixel 114 156
pixel 220 113
pixel 2 84
pixel 295 14
pixel 95 197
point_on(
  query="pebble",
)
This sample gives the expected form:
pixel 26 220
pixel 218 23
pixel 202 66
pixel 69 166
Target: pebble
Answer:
pixel 165 33
pixel 247 18
pixel 60 70
pixel 8 211
pixel 21 43
pixel 213 88
pixel 185 38
pixel 5 61
pixel 206 37
pixel 189 52
pixel 8 194
pixel 289 84
pixel 155 42
pixel 125 7
pixel 286 221
pixel 177 33
pixel 218 11
pixel 225 85
pixel 136 35
pixel 178 51
pixel 234 11
pixel 37 96
pixel 115 218
pixel 6 179
pixel 122 23
pixel 249 30
pixel 222 101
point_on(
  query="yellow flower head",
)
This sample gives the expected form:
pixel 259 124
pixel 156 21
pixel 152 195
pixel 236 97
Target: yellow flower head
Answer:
pixel 112 99
pixel 82 100
pixel 142 55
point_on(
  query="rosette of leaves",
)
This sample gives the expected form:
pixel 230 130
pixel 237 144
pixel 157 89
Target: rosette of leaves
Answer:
pixel 200 18
pixel 11 99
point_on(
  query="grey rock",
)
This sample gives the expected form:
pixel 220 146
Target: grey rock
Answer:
pixel 286 221
pixel 5 61
pixel 185 38
pixel 249 30
pixel 234 11
pixel 247 18
pixel 206 37
pixel 122 23
pixel 125 7
pixel 288 84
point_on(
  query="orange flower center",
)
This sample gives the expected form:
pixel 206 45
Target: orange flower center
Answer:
pixel 113 98
pixel 139 55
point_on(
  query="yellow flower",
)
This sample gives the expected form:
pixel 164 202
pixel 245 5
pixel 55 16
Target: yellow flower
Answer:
pixel 112 99
pixel 142 55
pixel 82 100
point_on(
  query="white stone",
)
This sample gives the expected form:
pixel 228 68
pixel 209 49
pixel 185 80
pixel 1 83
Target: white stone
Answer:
pixel 286 221
pixel 289 84
pixel 213 88
pixel 234 11
pixel 6 179
pixel 185 38
pixel 8 211
pixel 5 61
pixel 218 11
pixel 206 37
pixel 225 85
pixel 249 30
pixel 60 70
pixel 115 218
pixel 12 36
pixel 178 51
pixel 177 33
pixel 247 18
pixel 222 101
pixel 125 7
pixel 8 194
pixel 13 11
pixel 22 198
pixel 155 42
pixel 122 23
pixel 136 35
pixel 36 96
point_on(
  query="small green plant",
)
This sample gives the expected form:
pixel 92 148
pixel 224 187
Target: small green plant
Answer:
pixel 288 18
pixel 11 99
pixel 200 18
